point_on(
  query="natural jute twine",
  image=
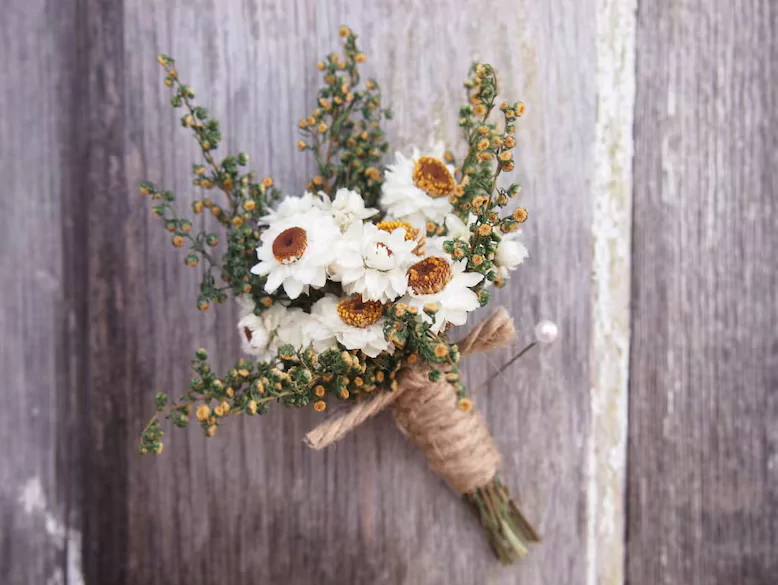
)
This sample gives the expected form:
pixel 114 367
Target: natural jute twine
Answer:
pixel 458 445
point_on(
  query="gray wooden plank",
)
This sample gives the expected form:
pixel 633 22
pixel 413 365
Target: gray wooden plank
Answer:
pixel 110 335
pixel 254 505
pixel 703 479
pixel 40 309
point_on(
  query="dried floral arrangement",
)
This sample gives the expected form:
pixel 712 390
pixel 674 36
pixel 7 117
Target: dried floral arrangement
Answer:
pixel 348 292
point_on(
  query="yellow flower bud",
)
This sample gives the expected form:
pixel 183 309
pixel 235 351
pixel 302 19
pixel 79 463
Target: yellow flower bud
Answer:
pixel 465 404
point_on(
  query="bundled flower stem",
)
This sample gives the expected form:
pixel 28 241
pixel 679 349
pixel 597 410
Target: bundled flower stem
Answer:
pixel 508 530
pixel 349 290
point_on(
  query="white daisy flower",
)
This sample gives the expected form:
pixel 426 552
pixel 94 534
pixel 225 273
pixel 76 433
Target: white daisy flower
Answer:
pixel 437 280
pixel 417 189
pixel 351 322
pixel 372 261
pixel 291 207
pixel 509 254
pixel 261 335
pixel 295 252
pixel 348 207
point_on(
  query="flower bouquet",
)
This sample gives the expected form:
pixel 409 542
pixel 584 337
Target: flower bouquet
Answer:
pixel 348 292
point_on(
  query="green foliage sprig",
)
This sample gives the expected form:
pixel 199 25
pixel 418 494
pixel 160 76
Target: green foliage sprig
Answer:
pixel 301 377
pixel 344 132
pixel 490 152
pixel 244 199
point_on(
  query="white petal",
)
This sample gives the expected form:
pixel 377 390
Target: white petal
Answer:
pixel 274 280
pixel 399 281
pixel 293 287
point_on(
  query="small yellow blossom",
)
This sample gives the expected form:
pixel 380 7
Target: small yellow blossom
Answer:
pixel 465 404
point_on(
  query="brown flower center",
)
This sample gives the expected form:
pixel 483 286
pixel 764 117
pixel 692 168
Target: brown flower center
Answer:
pixel 358 313
pixel 431 176
pixel 290 244
pixel 429 276
pixel 247 332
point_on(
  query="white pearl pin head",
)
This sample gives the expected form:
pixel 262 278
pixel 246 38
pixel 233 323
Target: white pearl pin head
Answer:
pixel 546 332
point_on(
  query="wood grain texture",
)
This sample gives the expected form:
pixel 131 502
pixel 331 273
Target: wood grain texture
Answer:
pixel 611 257
pixel 703 455
pixel 254 505
pixel 40 310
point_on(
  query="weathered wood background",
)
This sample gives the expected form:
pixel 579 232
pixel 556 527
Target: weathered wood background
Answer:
pixel 98 310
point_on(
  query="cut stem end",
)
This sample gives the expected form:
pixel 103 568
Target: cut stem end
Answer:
pixel 509 532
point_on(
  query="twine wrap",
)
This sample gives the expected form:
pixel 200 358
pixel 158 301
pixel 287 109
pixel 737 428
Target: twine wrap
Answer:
pixel 458 445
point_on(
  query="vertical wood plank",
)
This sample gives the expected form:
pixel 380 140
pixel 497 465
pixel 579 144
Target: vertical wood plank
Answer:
pixel 703 478
pixel 609 350
pixel 40 297
pixel 107 436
